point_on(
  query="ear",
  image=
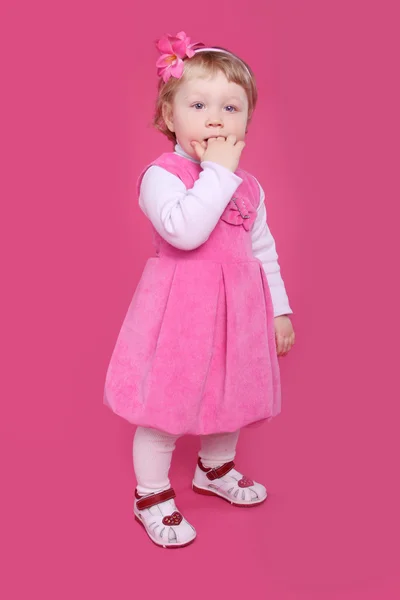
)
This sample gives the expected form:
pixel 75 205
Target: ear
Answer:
pixel 167 116
pixel 248 122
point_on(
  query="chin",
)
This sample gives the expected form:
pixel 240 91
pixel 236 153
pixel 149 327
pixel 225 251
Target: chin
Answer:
pixel 189 150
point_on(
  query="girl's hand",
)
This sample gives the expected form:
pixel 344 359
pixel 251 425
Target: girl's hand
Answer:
pixel 221 150
pixel 284 335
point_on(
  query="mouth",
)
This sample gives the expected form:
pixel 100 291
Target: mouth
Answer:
pixel 211 136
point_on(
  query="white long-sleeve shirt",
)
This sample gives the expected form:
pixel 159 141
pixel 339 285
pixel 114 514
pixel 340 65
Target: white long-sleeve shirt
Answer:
pixel 185 218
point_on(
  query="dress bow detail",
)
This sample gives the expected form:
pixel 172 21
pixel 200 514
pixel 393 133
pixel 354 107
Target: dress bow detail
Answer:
pixel 239 212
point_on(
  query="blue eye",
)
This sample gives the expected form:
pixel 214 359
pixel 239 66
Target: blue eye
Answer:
pixel 231 107
pixel 198 104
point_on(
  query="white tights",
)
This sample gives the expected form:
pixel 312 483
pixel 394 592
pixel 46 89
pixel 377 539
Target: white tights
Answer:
pixel 152 454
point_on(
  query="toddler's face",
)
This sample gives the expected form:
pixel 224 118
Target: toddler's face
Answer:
pixel 206 107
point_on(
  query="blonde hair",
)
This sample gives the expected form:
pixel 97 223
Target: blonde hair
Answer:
pixel 233 67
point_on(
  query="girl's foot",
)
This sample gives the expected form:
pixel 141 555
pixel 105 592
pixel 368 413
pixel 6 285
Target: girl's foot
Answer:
pixel 162 521
pixel 229 484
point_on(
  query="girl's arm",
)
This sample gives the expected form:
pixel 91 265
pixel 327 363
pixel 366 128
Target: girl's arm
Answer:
pixel 264 249
pixel 185 218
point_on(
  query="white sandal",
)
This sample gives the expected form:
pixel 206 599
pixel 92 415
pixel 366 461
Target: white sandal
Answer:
pixel 162 521
pixel 227 483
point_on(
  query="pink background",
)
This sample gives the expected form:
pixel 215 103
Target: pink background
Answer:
pixel 79 87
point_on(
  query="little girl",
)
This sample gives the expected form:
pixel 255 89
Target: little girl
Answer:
pixel 197 351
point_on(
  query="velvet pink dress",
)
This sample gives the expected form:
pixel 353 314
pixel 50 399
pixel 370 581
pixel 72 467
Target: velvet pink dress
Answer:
pixel 196 352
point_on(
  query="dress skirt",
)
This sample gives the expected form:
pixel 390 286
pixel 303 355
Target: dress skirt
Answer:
pixel 196 352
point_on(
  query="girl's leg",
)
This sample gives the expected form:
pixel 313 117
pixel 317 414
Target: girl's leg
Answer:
pixel 216 475
pixel 154 505
pixel 152 454
pixel 218 448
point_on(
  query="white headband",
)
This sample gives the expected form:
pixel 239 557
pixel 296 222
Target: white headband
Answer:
pixel 224 51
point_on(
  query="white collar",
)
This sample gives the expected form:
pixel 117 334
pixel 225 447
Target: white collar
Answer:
pixel 179 150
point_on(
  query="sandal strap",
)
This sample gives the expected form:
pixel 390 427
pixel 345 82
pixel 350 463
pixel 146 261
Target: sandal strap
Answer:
pixel 217 472
pixel 153 499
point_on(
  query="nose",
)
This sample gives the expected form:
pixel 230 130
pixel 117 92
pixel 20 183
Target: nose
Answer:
pixel 214 121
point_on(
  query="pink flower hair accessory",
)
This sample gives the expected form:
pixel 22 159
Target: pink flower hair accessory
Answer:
pixel 173 49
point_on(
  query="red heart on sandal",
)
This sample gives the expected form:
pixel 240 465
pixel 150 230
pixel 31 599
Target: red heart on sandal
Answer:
pixel 174 519
pixel 245 482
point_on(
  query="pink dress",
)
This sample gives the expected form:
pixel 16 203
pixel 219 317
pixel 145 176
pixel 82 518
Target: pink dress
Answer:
pixel 196 351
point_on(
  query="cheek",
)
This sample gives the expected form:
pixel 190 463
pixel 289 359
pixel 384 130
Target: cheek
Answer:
pixel 183 121
pixel 190 122
pixel 241 124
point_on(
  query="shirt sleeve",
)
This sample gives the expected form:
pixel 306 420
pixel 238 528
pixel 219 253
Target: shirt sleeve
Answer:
pixel 263 245
pixel 185 218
